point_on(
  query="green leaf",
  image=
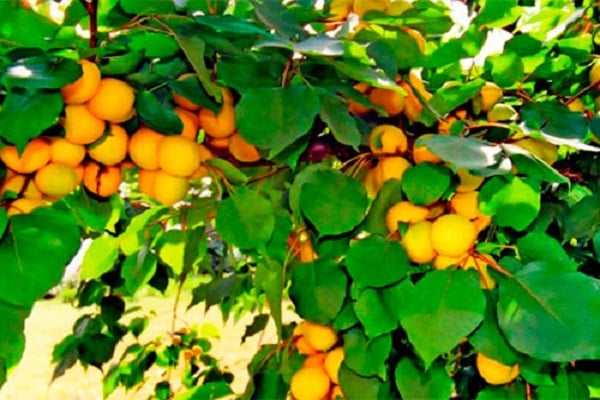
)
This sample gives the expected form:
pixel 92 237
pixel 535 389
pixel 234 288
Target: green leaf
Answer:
pixel 333 202
pixel 335 114
pixel 377 309
pixel 552 304
pixel 193 47
pixel 171 249
pixel 366 357
pixel 258 324
pixel 514 204
pixel 539 247
pixel 530 165
pixel 100 257
pixel 154 44
pixel 300 179
pixel 3 221
pixel 139 229
pixel 468 153
pixel 555 119
pixel 148 7
pixel 445 307
pixel 583 219
pixel 269 278
pixel 274 15
pixel 233 174
pixel 12 337
pixel 138 269
pixel 506 69
pixel 206 391
pixel 274 118
pixel 318 290
pixel 425 183
pixel 424 16
pixel 515 391
pixel 121 64
pixel 320 46
pixel 498 13
pixel 346 318
pixel 356 387
pixel 34 254
pixel 27 29
pixel 156 115
pixel 363 73
pixel 414 383
pixel 25 116
pixel 569 385
pixel 230 24
pixel 377 262
pixel 246 219
pixel 190 89
pixel 447 99
pixel 41 72
pixel 389 194
pixel 489 340
pixel 93 214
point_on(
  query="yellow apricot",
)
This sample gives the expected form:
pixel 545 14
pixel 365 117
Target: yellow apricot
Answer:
pixel 417 242
pixel 413 107
pixel 494 372
pixel 423 154
pixel 435 210
pixel 316 360
pixel 113 101
pixel 548 152
pixel 406 212
pixel 143 147
pixel 241 150
pixel 417 36
pixel 25 206
pixel 189 121
pixel 183 101
pixel 56 180
pixel 35 155
pixel 178 155
pixel 392 168
pixel 81 126
pixel 393 102
pixel 110 149
pixel 336 393
pixel 146 181
pixel 355 107
pixel 64 152
pixel 466 204
pixel 576 105
pixel 339 9
pixel 388 139
pixel 444 262
pixel 594 74
pixel 452 235
pixel 319 337
pixel 169 189
pixel 85 86
pixel 309 384
pixel 362 6
pixel 102 180
pixel 219 143
pixel 468 181
pixel 79 170
pixel 304 347
pixel 333 362
pixel 219 125
pixel 490 94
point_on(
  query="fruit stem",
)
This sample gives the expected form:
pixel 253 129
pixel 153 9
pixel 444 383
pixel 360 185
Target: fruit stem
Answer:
pixel 492 264
pixel 91 6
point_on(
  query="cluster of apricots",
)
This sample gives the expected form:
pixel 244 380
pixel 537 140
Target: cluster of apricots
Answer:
pixel 95 148
pixel 317 379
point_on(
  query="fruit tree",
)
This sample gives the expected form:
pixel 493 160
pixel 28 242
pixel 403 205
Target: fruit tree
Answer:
pixel 418 179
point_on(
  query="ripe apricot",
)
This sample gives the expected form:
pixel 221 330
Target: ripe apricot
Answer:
pixel 35 155
pixel 392 101
pixel 444 262
pixel 452 235
pixel 178 155
pixel 468 181
pixel 319 337
pixel 219 125
pixel 113 101
pixel 169 189
pixel 339 9
pixel 81 126
pixel 423 154
pixel 304 347
pixel 362 6
pixel 25 206
pixel 417 242
pixel 143 147
pixel 466 204
pixel 490 94
pixel 388 139
pixel 478 264
pixel 392 168
pixel 314 361
pixel 333 362
pixel 110 149
pixel 406 212
pixel 241 150
pixel 548 152
pixel 146 181
pixel 102 180
pixel 494 372
pixel 219 143
pixel 21 185
pixel 189 121
pixel 594 74
pixel 56 180
pixel 413 107
pixel 355 107
pixel 85 86
pixel 64 152
pixel 309 384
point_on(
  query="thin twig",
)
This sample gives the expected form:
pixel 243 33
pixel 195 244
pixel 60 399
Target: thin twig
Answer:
pixel 91 6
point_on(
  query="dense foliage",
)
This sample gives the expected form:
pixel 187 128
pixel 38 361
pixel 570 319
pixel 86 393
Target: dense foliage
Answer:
pixel 419 177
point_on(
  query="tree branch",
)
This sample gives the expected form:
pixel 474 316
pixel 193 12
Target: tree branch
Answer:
pixel 91 6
